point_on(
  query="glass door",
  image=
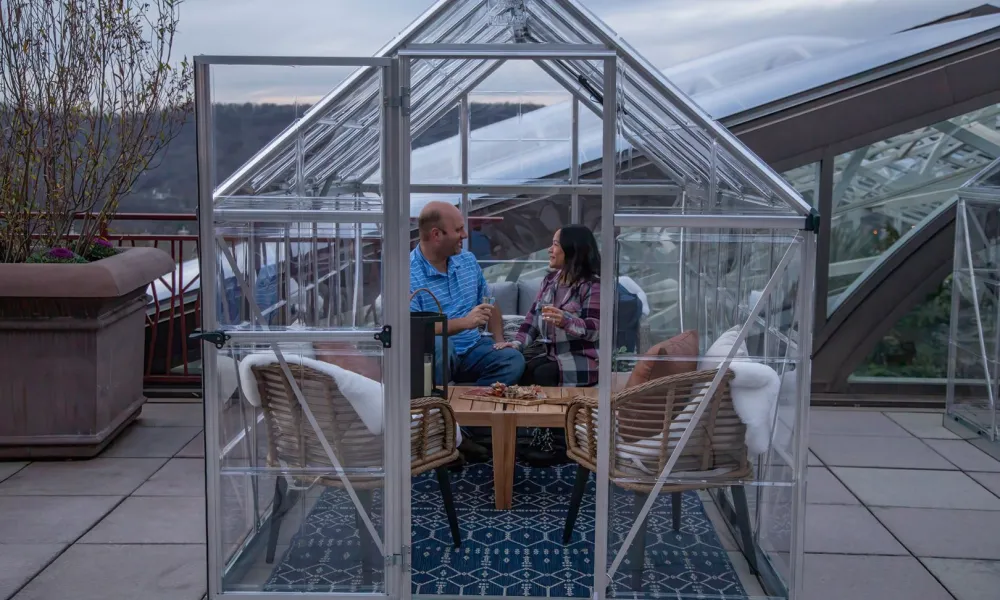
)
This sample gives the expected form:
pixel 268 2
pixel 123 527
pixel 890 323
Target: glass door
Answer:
pixel 304 320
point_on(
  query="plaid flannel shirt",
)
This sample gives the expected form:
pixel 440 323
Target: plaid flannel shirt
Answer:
pixel 576 342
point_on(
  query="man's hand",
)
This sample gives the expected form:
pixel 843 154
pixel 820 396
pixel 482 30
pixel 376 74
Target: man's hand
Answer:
pixel 478 316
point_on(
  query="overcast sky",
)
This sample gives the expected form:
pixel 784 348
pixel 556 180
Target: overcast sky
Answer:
pixel 667 32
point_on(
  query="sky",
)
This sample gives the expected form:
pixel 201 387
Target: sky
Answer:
pixel 667 32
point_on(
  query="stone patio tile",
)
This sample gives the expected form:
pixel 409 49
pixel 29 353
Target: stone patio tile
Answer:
pixel 923 425
pixel 990 481
pixel 172 414
pixel 853 422
pixel 150 520
pixel 854 577
pixel 823 488
pixel 94 477
pixel 195 448
pixel 21 562
pixel 945 533
pixel 149 572
pixel 179 477
pixel 9 468
pixel 148 442
pixel 50 519
pixel 916 488
pixel 964 455
pixel 872 451
pixel 814 460
pixel 847 530
pixel 967 579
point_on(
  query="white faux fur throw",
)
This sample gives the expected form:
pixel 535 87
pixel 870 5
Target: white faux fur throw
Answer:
pixel 755 390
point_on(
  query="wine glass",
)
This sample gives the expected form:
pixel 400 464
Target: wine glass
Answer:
pixel 544 329
pixel 485 329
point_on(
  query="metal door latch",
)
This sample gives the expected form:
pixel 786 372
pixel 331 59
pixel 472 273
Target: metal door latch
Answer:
pixel 216 338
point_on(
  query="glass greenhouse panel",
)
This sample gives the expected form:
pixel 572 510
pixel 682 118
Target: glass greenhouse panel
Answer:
pixel 272 454
pixel 299 275
pixel 974 349
pixel 708 291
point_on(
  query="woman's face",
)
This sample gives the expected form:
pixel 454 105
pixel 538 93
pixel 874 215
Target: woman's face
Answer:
pixel 557 259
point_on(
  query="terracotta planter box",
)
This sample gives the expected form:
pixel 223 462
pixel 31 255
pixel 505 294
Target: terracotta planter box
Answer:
pixel 71 352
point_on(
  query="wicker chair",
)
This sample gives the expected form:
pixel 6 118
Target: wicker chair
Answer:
pixel 293 443
pixel 647 422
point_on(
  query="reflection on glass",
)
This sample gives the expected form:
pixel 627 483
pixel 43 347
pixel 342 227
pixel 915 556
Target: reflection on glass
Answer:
pixel 883 190
pixel 917 345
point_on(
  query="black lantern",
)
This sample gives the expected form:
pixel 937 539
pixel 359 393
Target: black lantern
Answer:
pixel 423 351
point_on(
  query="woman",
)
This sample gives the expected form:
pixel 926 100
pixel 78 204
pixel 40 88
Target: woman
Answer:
pixel 565 316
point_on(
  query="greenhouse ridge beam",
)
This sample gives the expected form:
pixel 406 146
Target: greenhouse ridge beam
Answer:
pixel 543 51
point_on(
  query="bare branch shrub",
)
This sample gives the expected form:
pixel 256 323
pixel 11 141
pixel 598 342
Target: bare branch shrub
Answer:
pixel 89 96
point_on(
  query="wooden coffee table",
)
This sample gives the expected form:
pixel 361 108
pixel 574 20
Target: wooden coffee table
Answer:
pixel 505 419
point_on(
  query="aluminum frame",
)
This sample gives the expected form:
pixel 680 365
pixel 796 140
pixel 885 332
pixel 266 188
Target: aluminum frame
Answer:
pixel 395 367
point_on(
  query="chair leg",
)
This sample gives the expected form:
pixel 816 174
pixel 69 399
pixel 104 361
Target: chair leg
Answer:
pixel 280 489
pixel 579 487
pixel 742 509
pixel 366 542
pixel 637 551
pixel 444 482
pixel 676 500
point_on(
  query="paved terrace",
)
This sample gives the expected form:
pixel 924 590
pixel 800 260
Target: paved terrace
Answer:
pixel 899 509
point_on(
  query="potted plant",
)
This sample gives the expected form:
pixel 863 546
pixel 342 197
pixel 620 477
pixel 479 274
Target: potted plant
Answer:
pixel 89 97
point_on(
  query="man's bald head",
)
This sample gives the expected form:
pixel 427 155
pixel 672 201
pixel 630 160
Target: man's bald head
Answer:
pixel 441 229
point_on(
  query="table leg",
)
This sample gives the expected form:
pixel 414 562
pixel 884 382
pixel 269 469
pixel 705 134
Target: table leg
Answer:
pixel 504 442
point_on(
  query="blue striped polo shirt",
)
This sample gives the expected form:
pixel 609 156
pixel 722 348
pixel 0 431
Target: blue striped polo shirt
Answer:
pixel 459 290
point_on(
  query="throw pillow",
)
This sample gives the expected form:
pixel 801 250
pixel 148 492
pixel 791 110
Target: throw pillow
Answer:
pixel 684 344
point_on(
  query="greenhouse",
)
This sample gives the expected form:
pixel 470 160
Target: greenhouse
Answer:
pixel 973 359
pixel 324 479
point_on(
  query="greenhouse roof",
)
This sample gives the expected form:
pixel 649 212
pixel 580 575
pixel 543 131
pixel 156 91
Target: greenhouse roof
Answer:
pixel 334 147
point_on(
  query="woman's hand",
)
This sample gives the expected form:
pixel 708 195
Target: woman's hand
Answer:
pixel 554 316
pixel 505 345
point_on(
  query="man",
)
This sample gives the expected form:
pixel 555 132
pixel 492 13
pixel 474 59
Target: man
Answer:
pixel 439 264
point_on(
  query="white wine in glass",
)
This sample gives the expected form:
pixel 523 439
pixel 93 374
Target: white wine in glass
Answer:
pixel 485 331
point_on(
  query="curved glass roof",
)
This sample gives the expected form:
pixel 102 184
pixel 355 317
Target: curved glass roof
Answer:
pixel 797 65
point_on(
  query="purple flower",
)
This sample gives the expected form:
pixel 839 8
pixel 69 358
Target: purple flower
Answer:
pixel 61 253
pixel 102 242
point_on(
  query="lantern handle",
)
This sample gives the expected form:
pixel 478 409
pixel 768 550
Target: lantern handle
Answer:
pixel 429 293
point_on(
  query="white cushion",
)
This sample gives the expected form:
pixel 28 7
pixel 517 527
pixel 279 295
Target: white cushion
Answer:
pixel 718 352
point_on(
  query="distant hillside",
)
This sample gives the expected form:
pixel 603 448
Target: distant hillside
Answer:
pixel 241 130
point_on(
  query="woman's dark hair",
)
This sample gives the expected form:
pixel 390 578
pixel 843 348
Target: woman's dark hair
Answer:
pixel 583 257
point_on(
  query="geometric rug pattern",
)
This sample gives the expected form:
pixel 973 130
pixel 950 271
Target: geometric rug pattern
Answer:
pixel 515 552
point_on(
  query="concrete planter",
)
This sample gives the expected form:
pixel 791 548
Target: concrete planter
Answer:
pixel 71 352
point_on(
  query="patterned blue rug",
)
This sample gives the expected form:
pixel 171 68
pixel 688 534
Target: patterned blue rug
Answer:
pixel 515 552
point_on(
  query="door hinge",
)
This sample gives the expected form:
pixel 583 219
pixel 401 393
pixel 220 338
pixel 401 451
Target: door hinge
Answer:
pixel 385 336
pixel 402 101
pixel 399 560
pixel 216 338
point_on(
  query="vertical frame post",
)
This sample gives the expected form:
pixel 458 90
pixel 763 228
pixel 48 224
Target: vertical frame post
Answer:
pixel 807 290
pixel 607 330
pixel 464 126
pixel 575 210
pixel 399 150
pixel 209 319
pixel 955 300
